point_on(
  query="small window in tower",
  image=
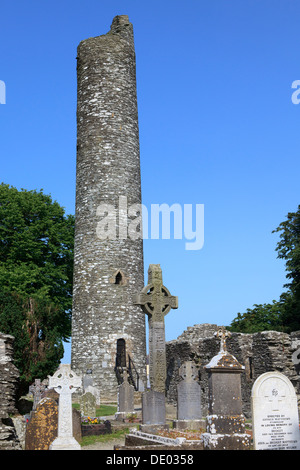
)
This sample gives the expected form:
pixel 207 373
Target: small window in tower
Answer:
pixel 119 278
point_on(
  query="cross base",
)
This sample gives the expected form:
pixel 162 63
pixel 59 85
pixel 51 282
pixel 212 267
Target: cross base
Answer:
pixel 65 443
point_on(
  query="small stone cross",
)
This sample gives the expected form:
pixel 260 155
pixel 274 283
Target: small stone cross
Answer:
pixel 223 334
pixel 65 382
pixel 36 389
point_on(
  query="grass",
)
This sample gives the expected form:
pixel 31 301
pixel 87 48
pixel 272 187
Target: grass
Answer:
pixel 116 434
pixel 102 410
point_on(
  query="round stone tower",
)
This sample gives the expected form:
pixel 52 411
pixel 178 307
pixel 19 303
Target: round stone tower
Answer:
pixel 108 330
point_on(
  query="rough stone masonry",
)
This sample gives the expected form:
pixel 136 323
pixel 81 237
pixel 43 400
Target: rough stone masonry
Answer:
pixel 107 272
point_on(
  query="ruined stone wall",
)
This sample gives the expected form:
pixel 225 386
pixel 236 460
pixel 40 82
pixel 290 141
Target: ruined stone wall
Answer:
pixel 107 272
pixel 9 376
pixel 258 353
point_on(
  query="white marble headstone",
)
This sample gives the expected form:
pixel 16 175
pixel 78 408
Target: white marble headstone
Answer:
pixel 274 413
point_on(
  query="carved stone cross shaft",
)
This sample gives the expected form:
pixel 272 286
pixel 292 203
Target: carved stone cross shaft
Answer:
pixel 156 301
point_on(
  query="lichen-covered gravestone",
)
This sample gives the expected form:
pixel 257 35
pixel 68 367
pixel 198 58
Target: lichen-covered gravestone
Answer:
pixel 42 427
pixel 275 413
pixel 88 405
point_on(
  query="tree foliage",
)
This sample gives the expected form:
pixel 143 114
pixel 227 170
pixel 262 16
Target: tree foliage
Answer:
pixel 36 271
pixel 282 315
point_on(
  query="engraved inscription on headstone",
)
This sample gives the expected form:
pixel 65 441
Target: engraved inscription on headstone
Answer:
pixel 275 413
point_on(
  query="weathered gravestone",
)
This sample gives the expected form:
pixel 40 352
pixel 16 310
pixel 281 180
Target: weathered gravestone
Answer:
pixel 37 389
pixel 156 302
pixel 88 386
pixel 88 405
pixel 225 422
pixel 125 399
pixel 41 430
pixel 188 398
pixel 274 413
pixel 65 382
pixel 153 411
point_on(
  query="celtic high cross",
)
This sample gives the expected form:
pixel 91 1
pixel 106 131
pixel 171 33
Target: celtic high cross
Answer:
pixel 156 301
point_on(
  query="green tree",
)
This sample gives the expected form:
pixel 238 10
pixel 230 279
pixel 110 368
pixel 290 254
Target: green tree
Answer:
pixel 288 248
pixel 36 271
pixel 282 315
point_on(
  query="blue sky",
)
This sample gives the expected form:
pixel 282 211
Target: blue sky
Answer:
pixel 217 127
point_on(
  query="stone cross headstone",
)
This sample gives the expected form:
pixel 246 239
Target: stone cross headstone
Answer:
pixel 37 389
pixel 274 413
pixel 88 405
pixel 156 302
pixel 188 398
pixel 65 382
pixel 125 398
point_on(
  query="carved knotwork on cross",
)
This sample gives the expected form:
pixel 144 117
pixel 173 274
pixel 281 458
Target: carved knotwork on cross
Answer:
pixel 64 381
pixel 223 334
pixel 155 298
